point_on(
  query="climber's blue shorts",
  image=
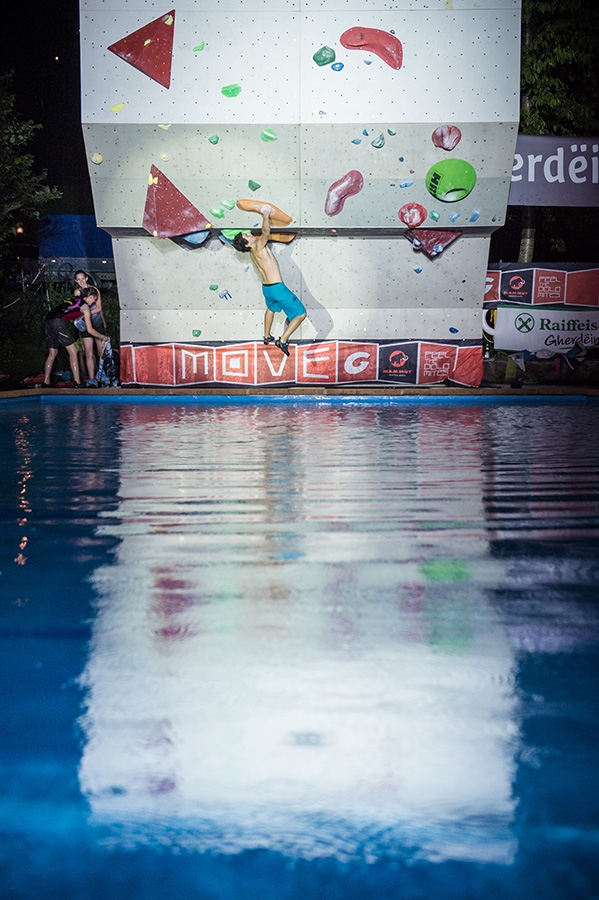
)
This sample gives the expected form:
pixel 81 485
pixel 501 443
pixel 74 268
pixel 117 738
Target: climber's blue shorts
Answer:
pixel 279 298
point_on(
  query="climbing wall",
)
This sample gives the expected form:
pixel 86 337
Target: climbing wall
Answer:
pixel 385 131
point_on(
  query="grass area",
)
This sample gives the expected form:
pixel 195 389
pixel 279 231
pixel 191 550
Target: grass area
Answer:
pixel 22 347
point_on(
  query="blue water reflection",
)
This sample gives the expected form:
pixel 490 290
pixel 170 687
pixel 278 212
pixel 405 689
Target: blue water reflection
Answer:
pixel 352 647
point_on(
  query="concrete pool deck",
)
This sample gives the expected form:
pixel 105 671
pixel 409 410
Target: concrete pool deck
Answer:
pixel 500 392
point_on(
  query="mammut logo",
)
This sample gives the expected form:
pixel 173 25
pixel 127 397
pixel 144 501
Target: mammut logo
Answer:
pixel 517 283
pixel 398 359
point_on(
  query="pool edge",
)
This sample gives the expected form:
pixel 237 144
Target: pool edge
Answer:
pixel 533 394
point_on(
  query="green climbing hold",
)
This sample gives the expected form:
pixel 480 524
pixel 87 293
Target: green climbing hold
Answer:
pixel 450 180
pixel 392 133
pixel 378 142
pixel 231 233
pixel 199 47
pixel 214 139
pixel 213 287
pixel 228 204
pixel 253 185
pixel 324 56
pixel 217 213
pixel 231 90
pixel 268 135
pixel 435 216
pixel 445 570
pixel 196 332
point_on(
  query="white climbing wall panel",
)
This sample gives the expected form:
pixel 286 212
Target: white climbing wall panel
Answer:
pixel 359 287
pixel 276 101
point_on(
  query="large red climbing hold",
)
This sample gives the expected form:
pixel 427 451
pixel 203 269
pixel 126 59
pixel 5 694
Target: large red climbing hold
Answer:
pixel 168 213
pixel 383 43
pixel 351 183
pixel 150 48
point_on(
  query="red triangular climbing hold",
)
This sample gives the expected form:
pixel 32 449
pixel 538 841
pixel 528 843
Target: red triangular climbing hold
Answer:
pixel 168 213
pixel 150 48
pixel 432 241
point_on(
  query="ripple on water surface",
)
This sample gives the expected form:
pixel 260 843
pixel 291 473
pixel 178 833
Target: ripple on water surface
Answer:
pixel 309 632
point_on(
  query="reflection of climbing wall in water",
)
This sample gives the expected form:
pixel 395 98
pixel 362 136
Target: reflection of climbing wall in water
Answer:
pixel 366 126
pixel 282 676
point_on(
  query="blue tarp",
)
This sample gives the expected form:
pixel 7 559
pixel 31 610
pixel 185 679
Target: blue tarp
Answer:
pixel 73 236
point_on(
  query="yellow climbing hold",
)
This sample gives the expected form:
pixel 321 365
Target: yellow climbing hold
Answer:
pixel 97 158
pixel 118 107
pixel 153 179
pixel 164 127
pixel 169 20
pixel 164 157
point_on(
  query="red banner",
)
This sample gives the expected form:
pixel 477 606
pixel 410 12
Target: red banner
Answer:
pixel 570 284
pixel 319 363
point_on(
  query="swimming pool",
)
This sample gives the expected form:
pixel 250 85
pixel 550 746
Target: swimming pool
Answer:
pixel 300 650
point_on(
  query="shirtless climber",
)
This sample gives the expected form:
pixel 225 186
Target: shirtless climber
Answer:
pixel 277 296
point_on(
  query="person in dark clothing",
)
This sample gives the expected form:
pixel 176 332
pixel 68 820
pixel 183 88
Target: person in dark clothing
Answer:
pixel 92 328
pixel 88 292
pixel 58 334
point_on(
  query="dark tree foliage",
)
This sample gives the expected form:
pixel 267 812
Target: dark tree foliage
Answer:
pixel 559 92
pixel 559 84
pixel 23 193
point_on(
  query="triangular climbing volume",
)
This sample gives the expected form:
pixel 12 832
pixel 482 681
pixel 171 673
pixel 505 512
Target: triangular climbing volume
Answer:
pixel 168 213
pixel 150 48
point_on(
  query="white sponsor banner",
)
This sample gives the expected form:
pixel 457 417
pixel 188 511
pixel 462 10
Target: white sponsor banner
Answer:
pixel 556 330
pixel 555 171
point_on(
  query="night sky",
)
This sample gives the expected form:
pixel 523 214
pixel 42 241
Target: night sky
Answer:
pixel 39 41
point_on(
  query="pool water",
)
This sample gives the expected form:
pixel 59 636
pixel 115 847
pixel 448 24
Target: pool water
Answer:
pixel 302 650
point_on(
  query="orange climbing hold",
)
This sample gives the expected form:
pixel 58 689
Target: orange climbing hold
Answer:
pixel 278 218
pixel 284 238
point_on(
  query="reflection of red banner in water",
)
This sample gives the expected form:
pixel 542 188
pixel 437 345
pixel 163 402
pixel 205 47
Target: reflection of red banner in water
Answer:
pixel 318 363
